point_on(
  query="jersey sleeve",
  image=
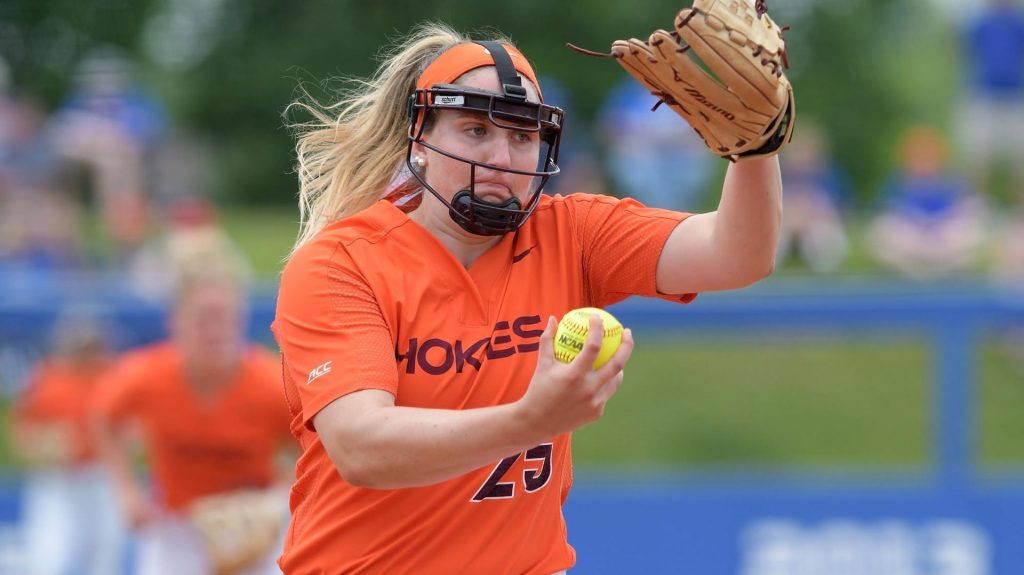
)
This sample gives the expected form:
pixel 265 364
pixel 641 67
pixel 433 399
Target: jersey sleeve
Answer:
pixel 121 392
pixel 333 337
pixel 622 242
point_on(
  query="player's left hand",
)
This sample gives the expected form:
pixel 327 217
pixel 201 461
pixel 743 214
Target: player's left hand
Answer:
pixel 744 107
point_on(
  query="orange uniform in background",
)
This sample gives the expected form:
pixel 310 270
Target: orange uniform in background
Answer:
pixel 375 301
pixel 200 445
pixel 60 394
pixel 70 521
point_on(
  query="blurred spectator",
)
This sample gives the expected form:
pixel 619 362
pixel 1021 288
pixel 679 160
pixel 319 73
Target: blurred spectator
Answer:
pixel 111 126
pixel 654 157
pixel 992 113
pixel 70 517
pixel 932 222
pixel 39 228
pixel 815 187
pixel 580 170
pixel 210 411
pixel 24 153
pixel 1008 261
pixel 181 169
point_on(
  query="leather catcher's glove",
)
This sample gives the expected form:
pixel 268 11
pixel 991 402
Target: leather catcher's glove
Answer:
pixel 744 107
pixel 238 529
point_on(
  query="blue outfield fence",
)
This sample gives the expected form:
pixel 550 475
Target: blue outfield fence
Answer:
pixel 954 518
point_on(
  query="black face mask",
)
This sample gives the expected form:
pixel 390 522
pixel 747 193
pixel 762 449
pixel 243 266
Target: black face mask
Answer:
pixel 509 110
pixel 483 218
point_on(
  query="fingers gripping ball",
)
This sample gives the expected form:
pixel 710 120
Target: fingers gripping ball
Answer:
pixel 572 335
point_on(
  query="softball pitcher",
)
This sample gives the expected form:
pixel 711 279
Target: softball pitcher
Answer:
pixel 417 311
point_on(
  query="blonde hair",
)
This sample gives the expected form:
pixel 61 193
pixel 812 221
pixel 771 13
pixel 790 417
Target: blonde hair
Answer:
pixel 350 151
pixel 202 256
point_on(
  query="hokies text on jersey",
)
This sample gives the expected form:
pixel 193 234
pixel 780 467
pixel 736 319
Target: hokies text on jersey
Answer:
pixel 437 356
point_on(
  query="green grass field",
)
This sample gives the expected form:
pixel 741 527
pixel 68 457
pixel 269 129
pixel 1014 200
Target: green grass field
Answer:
pixel 766 403
pixel 265 234
pixel 1000 407
pixel 799 402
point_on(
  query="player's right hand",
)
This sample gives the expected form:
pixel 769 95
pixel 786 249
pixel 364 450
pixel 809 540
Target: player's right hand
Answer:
pixel 563 397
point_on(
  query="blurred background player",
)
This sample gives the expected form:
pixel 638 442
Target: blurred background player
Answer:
pixel 71 522
pixel 209 415
pixel 189 223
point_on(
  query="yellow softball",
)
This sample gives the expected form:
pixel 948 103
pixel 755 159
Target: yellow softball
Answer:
pixel 572 334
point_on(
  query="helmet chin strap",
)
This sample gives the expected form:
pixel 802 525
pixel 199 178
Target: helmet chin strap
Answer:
pixel 483 218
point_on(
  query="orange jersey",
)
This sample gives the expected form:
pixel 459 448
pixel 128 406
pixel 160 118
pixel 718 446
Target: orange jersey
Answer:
pixel 60 393
pixel 200 445
pixel 375 301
